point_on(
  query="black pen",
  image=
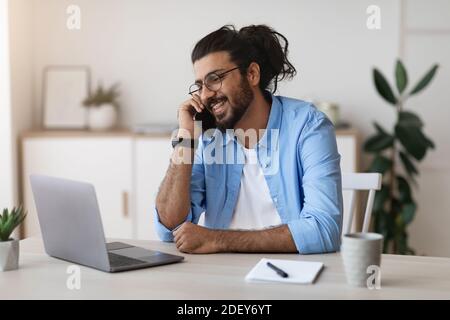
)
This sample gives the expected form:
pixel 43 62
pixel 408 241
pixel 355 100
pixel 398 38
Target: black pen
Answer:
pixel 277 270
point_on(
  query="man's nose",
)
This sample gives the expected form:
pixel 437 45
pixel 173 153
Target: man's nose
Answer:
pixel 206 94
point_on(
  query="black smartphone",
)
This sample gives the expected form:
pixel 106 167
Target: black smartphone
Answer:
pixel 207 119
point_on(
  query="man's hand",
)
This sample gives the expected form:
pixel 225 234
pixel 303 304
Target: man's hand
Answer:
pixel 185 116
pixel 191 238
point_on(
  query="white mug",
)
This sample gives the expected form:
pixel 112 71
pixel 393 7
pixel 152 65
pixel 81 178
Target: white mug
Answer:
pixel 360 251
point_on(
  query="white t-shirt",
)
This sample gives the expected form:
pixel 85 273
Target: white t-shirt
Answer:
pixel 254 208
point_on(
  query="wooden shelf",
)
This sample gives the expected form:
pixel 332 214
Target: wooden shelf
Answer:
pixel 121 133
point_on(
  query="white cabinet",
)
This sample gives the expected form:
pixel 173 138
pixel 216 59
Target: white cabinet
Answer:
pixel 125 169
pixel 347 143
pixel 151 162
pixel 106 162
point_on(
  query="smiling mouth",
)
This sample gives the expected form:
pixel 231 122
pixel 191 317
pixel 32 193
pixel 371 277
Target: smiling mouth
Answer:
pixel 218 107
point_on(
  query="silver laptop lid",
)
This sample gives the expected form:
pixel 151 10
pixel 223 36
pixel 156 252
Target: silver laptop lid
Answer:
pixel 70 221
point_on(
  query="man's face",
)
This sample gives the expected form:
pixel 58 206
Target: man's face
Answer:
pixel 230 102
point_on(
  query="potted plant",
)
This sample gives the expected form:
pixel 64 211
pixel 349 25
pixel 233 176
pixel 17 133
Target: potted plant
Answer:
pixel 9 248
pixel 102 105
pixel 394 206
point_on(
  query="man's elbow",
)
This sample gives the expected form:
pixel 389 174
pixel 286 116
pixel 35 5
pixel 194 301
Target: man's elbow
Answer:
pixel 167 218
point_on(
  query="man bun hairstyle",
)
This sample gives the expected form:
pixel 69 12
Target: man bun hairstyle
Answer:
pixel 254 43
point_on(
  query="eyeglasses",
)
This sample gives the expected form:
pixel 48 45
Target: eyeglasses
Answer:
pixel 213 81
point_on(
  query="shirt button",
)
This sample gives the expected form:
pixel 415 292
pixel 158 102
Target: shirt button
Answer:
pixel 275 199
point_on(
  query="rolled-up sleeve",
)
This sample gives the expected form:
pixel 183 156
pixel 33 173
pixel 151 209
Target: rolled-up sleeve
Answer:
pixel 197 197
pixel 318 228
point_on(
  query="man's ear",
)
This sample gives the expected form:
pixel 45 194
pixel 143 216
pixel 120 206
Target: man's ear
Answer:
pixel 253 74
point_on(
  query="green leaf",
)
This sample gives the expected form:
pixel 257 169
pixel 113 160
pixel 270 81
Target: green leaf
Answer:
pixel 401 76
pixel 378 142
pixel 380 164
pixel 9 221
pixel 396 205
pixel 425 140
pixel 404 190
pixel 430 143
pixel 425 80
pixel 380 222
pixel 408 213
pixel 380 198
pixel 408 164
pixel 385 225
pixel 409 119
pixel 379 128
pixel 413 141
pixel 383 87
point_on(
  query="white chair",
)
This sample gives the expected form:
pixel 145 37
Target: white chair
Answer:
pixel 354 182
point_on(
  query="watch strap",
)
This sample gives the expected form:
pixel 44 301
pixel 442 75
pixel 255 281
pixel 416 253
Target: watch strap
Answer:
pixel 190 143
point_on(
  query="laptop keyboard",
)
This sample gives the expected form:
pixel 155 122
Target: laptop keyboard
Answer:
pixel 117 260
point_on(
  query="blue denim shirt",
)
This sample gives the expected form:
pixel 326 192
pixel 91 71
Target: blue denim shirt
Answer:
pixel 299 158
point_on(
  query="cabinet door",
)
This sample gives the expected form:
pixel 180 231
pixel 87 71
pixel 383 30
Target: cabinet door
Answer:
pixel 347 148
pixel 106 162
pixel 151 162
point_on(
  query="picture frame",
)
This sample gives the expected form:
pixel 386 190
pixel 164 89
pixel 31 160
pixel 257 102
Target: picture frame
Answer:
pixel 64 89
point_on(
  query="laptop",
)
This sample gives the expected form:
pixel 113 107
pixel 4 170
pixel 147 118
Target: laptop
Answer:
pixel 72 229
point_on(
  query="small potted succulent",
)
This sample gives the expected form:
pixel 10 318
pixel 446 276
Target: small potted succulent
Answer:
pixel 9 248
pixel 102 105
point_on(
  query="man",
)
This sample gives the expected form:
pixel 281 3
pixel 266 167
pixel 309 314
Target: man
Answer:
pixel 286 194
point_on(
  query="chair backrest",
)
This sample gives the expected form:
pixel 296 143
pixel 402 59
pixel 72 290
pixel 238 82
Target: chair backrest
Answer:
pixel 354 182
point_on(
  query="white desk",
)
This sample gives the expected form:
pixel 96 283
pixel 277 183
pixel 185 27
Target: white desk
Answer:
pixel 218 276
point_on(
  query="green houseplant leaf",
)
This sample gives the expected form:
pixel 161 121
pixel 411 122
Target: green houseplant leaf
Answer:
pixel 412 139
pixel 379 128
pixel 409 119
pixel 9 221
pixel 430 143
pixel 380 164
pixel 425 80
pixel 380 198
pixel 102 96
pixel 408 164
pixel 401 76
pixel 408 212
pixel 383 87
pixel 378 142
pixel 404 190
pixel 394 206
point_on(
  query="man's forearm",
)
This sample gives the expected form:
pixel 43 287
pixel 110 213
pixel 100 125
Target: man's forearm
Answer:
pixel 278 239
pixel 173 199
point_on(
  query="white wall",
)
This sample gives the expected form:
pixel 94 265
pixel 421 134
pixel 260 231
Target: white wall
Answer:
pixel 427 40
pixel 145 45
pixel 6 163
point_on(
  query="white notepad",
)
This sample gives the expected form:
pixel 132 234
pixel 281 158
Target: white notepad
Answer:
pixel 304 272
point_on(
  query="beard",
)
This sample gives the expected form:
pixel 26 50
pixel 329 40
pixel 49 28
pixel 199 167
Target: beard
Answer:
pixel 237 106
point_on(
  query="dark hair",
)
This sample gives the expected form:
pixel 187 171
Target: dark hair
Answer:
pixel 254 43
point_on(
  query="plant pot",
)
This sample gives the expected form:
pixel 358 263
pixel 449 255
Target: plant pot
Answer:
pixel 102 117
pixel 9 255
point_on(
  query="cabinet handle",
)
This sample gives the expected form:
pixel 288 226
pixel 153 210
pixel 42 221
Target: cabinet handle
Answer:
pixel 125 203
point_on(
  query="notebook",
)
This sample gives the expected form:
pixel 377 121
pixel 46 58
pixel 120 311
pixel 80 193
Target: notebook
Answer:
pixel 303 272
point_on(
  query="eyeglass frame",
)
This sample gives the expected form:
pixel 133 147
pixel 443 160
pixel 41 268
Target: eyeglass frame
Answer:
pixel 220 76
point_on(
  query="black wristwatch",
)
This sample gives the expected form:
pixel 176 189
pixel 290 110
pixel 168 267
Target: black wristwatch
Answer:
pixel 190 143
